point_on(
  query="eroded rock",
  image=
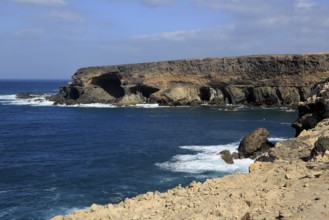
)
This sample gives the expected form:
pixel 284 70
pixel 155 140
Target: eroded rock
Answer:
pixel 315 109
pixel 255 144
pixel 272 80
pixel 321 146
pixel 228 157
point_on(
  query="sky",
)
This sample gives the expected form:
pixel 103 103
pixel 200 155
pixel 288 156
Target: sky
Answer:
pixel 51 39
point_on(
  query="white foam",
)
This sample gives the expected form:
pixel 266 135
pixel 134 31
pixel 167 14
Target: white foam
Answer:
pixel 7 97
pixel 50 189
pixel 91 105
pixel 41 100
pixel 206 160
pixel 65 211
pixel 5 191
pixel 276 139
pixel 285 109
pixel 155 105
pixel 37 100
pixel 290 110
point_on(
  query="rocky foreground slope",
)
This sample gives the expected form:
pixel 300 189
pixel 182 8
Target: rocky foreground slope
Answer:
pixel 258 80
pixel 294 186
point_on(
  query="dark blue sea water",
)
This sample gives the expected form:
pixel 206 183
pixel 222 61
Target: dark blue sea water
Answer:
pixel 55 159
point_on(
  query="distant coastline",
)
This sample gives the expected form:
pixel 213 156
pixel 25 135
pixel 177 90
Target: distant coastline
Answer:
pixel 259 80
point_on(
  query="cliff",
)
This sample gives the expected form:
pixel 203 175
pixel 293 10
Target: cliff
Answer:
pixel 293 186
pixel 259 80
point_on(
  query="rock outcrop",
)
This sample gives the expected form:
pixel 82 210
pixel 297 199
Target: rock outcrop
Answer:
pixel 228 157
pixel 258 80
pixel 255 144
pixel 316 108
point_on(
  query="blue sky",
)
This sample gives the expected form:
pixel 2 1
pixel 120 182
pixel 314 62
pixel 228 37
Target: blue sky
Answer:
pixel 50 39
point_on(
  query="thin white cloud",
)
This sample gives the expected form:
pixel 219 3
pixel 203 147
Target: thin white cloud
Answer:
pixel 304 4
pixel 29 33
pixel 254 27
pixel 236 6
pixel 214 33
pixel 63 16
pixel 42 2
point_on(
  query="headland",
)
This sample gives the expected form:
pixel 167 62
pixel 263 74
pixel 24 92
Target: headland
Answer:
pixel 268 80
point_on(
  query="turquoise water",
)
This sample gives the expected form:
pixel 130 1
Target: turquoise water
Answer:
pixel 55 159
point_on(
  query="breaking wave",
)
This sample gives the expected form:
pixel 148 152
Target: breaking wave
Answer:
pixel 206 160
pixel 35 100
pixel 276 139
pixel 42 100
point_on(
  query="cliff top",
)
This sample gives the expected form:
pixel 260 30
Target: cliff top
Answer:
pixel 210 58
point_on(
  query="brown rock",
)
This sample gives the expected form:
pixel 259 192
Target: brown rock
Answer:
pixel 228 157
pixel 321 146
pixel 259 80
pixel 254 142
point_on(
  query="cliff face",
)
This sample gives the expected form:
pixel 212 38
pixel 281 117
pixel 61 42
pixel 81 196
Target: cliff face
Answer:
pixel 259 80
pixel 314 109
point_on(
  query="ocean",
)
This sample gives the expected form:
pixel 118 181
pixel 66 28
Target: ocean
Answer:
pixel 57 159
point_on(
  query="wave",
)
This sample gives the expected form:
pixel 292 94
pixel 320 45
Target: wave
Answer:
pixel 42 100
pixel 277 139
pixel 7 97
pixel 65 211
pixel 37 100
pixel 155 105
pixel 206 160
pixel 91 105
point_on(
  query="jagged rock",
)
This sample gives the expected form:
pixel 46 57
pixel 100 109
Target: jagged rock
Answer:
pixel 315 109
pixel 27 95
pixel 320 147
pixel 228 157
pixel 292 149
pixel 266 158
pixel 273 80
pixel 254 144
pixel 234 94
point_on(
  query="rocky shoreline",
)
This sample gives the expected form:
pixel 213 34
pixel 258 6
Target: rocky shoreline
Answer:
pixel 262 80
pixel 294 185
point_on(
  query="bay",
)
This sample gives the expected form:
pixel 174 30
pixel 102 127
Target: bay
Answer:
pixel 56 159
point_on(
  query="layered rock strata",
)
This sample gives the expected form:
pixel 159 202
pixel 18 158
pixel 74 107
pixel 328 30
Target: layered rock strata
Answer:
pixel 314 109
pixel 258 80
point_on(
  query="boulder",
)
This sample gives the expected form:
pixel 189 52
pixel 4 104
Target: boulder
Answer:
pixel 255 144
pixel 228 157
pixel 320 147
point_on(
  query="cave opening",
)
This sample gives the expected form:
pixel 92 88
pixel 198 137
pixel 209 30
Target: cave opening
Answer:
pixel 111 84
pixel 250 95
pixel 205 94
pixel 73 93
pixel 146 91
